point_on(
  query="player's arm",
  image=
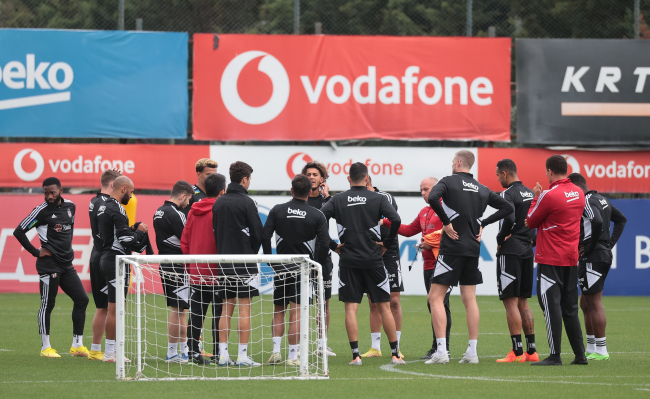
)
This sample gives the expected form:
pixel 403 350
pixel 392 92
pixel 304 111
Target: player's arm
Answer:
pixel 406 230
pixel 323 240
pixel 186 237
pixel 391 214
pixel 254 224
pixel 503 207
pixel 267 233
pixel 593 214
pixel 178 223
pixel 130 239
pixel 506 228
pixel 27 224
pixel 619 224
pixel 539 209
pixel 437 193
pixel 328 211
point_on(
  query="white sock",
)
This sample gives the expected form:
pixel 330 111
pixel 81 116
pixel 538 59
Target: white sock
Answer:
pixel 591 344
pixel 601 346
pixel 96 347
pixel 442 346
pixel 471 348
pixel 172 349
pixel 399 335
pixel 277 343
pixel 223 350
pixel 184 348
pixel 77 341
pixel 243 351
pixel 375 338
pixel 110 346
pixel 45 339
pixel 293 351
pixel 320 342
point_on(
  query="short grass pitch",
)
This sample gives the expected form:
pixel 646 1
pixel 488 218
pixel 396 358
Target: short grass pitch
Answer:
pixel 24 374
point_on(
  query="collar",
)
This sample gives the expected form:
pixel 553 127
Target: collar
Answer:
pixel 471 176
pixel 592 192
pixel 100 194
pixel 558 182
pixel 298 201
pixel 168 202
pixel 236 187
pixel 358 188
pixel 196 187
pixel 516 183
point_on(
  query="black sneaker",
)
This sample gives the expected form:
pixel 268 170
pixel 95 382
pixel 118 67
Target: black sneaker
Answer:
pixel 553 360
pixel 200 360
pixel 580 359
pixel 429 354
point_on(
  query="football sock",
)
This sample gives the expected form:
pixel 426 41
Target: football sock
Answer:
pixel 591 344
pixel 530 344
pixel 277 342
pixel 243 351
pixel 442 346
pixel 471 348
pixel 45 338
pixel 394 350
pixel 354 345
pixel 375 338
pixel 601 346
pixel 516 345
pixel 399 335
pixel 293 352
pixel 96 347
pixel 110 346
pixel 320 342
pixel 77 341
pixel 223 350
pixel 185 349
pixel 172 349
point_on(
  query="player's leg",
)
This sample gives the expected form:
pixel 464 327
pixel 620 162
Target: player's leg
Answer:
pixel 470 276
pixel 584 306
pixel 527 267
pixel 108 269
pixel 281 293
pixel 100 297
pixel 548 295
pixel 352 328
pixel 71 285
pixel 244 323
pixel 216 317
pixel 448 314
pixel 375 331
pixel 199 302
pixel 227 310
pixel 599 322
pixel 48 286
pixel 377 285
pixel 592 280
pixel 351 292
pixel 294 334
pixel 436 298
pixel 396 288
pixel 328 270
pixel 508 282
pixel 569 304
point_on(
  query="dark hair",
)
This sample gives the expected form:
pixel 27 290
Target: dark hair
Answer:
pixel 205 163
pixel 214 184
pixel 239 170
pixel 358 172
pixel 301 186
pixel 578 179
pixel 182 187
pixel 557 164
pixel 507 165
pixel 50 181
pixel 108 176
pixel 318 166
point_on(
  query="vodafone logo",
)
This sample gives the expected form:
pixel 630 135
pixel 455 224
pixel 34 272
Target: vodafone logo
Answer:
pixel 18 165
pixel 302 159
pixel 337 167
pixel 573 163
pixel 230 95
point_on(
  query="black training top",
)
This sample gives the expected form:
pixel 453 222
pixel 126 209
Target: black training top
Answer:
pixel 117 237
pixel 594 228
pixel 196 197
pixel 95 203
pixel 168 223
pixel 392 247
pixel 520 243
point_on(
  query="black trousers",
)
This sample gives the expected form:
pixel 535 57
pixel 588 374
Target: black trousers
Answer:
pixel 202 297
pixel 70 283
pixel 427 284
pixel 557 292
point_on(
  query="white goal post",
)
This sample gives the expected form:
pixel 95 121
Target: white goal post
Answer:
pixel 142 317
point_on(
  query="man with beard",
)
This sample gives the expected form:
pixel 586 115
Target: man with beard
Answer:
pixel 54 221
pixel 204 167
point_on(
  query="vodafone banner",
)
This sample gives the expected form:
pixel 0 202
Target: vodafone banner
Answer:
pixel 309 88
pixel 80 165
pixel 391 168
pixel 605 171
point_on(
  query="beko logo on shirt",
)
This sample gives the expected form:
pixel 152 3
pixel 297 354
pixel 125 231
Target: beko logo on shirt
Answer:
pixel 470 187
pixel 357 200
pixel 296 213
pixel 526 195
pixel 158 215
pixel 101 210
pixel 572 195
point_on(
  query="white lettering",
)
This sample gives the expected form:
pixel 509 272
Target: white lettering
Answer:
pixel 65 165
pixel 422 90
pixel 449 90
pixel 14 70
pixel 608 77
pixel 330 89
pixel 480 86
pixel 641 251
pixel 409 80
pixel 370 80
pixel 54 165
pixel 68 75
pixel 640 83
pixel 573 79
pixel 571 194
pixel 297 212
pixel 393 89
pixel 589 171
pixel 77 165
pixel 313 94
pixel 36 75
pixel 129 167
pixel 356 199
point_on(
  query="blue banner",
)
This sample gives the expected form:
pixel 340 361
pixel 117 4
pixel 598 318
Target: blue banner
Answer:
pixel 93 84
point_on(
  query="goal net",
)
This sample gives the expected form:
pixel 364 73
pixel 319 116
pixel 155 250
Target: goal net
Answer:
pixel 146 323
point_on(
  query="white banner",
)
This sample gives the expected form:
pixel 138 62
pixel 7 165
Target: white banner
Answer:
pixel 391 168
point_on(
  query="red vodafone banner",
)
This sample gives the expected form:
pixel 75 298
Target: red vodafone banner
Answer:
pixel 80 165
pixel 308 88
pixel 605 171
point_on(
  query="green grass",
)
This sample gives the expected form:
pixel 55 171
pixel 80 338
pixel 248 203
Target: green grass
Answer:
pixel 24 374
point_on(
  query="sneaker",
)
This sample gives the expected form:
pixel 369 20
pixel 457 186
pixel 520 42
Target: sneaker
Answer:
pixel 552 360
pixel 200 360
pixel 246 362
pixel 534 357
pixel 397 361
pixel 276 358
pixel 295 362
pixel 185 358
pixel 468 359
pixel 95 355
pixel 597 356
pixel 438 359
pixel 110 358
pixel 581 360
pixel 174 359
pixel 330 352
pixel 428 355
pixel 81 351
pixel 512 358
pixel 225 361
pixel 356 362
pixel 372 353
pixel 49 352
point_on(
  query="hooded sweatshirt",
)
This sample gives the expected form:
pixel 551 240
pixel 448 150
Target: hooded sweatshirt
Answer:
pixel 198 239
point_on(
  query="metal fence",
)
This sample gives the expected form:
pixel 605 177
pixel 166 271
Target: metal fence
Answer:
pixel 503 18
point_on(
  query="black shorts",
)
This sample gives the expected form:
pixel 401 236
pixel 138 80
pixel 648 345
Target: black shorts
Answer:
pixel 97 281
pixel 592 275
pixel 237 287
pixel 394 269
pixel 108 270
pixel 287 291
pixel 328 269
pixel 353 283
pixel 175 285
pixel 515 277
pixel 452 270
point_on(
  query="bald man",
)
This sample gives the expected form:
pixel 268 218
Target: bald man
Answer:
pixel 118 239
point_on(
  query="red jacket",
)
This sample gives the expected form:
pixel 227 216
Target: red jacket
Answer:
pixel 426 223
pixel 556 214
pixel 198 239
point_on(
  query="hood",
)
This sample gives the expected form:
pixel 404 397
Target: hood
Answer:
pixel 202 207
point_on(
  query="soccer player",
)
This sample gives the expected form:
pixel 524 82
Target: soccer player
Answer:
pixel 361 268
pixel 464 201
pixel 318 196
pixel 204 168
pixel 237 230
pixel 515 264
pixel 556 214
pixel 595 252
pixel 54 221
pixel 299 229
pixel 168 223
pixel 97 280
pixel 427 223
pixel 118 239
pixel 198 239
pixel 392 264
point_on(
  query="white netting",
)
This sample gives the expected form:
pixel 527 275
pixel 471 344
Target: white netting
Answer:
pixel 145 321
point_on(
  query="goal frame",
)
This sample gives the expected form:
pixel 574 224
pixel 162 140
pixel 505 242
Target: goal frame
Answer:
pixel 305 264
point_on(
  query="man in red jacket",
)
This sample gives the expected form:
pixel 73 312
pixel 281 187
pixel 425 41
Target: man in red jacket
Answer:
pixel 556 214
pixel 198 239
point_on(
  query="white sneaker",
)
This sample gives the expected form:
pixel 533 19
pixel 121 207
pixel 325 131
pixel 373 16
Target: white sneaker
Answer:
pixel 246 362
pixel 276 358
pixel 225 361
pixel 330 353
pixel 110 358
pixel 438 358
pixel 468 359
pixel 293 362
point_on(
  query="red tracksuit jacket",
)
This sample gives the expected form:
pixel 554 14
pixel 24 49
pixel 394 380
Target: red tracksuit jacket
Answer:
pixel 556 214
pixel 198 239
